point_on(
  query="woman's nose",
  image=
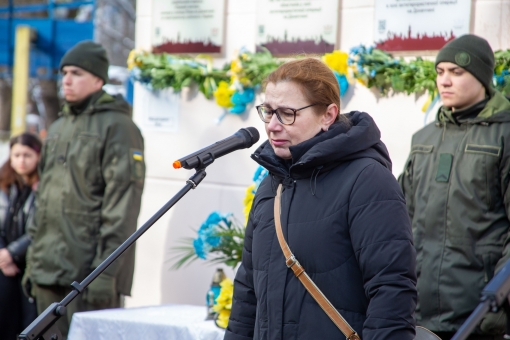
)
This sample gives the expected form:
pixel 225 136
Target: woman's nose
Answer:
pixel 274 124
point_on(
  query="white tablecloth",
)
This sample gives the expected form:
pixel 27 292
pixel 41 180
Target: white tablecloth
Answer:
pixel 179 322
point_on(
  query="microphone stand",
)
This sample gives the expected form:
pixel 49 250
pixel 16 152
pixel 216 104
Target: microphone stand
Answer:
pixel 494 296
pixel 44 327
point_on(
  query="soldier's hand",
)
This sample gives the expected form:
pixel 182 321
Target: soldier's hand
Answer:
pixel 494 323
pixel 101 291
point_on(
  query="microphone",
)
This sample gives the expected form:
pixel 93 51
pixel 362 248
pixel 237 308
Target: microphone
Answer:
pixel 242 139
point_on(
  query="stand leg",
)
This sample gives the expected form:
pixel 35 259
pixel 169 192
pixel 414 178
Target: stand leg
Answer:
pixel 44 328
pixel 473 320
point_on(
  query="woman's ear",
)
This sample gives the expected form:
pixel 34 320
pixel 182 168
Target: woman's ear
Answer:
pixel 329 117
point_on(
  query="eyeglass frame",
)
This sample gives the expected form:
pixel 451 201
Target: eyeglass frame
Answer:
pixel 278 115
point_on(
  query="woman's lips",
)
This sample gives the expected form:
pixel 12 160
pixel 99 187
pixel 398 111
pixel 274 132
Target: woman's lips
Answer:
pixel 279 142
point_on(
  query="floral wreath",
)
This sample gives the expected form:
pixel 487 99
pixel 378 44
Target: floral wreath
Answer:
pixel 234 86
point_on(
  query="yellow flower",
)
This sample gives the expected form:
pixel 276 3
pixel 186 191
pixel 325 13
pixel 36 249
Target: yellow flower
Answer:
pixel 245 81
pixel 248 201
pixel 337 61
pixel 499 69
pixel 132 58
pixel 223 94
pixel 234 78
pixel 222 319
pixel 236 66
pixel 362 82
pixel 224 302
pixel 224 299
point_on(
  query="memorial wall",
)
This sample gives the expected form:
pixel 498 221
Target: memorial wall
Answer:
pixel 175 124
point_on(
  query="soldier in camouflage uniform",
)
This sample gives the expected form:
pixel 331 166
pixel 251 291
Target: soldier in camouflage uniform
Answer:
pixel 92 176
pixel 456 184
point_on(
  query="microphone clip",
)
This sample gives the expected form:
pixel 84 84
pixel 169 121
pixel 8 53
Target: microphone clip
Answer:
pixel 204 160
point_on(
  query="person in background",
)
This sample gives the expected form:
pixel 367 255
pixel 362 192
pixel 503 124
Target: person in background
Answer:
pixel 343 216
pixel 92 176
pixel 18 182
pixel 456 184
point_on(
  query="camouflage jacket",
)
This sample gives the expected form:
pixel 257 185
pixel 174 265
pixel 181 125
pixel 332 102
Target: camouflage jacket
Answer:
pixel 456 186
pixel 88 200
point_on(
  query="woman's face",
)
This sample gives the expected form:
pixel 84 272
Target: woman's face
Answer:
pixel 306 125
pixel 23 159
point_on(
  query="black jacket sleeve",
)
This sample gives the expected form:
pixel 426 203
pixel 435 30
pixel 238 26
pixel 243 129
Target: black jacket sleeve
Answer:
pixel 244 303
pixel 381 237
pixel 18 248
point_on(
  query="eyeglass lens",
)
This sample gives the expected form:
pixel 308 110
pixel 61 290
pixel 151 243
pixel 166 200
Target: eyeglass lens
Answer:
pixel 284 115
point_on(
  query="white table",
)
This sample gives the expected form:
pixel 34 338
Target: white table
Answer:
pixel 179 322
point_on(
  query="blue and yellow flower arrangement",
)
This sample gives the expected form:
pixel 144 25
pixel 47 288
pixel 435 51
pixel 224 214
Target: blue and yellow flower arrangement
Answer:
pixel 502 71
pixel 223 304
pixel 234 86
pixel 220 239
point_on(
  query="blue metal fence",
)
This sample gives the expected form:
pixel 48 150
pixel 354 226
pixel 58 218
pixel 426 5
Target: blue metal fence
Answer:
pixel 54 35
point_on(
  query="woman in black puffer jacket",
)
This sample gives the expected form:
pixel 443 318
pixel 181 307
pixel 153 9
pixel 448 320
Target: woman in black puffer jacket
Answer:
pixel 342 213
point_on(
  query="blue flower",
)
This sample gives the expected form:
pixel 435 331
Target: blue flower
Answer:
pixel 499 80
pixel 214 218
pixel 237 109
pixel 240 99
pixel 207 234
pixel 199 246
pixel 207 238
pixel 357 49
pixel 372 73
pixel 342 83
pixel 353 50
pixel 259 175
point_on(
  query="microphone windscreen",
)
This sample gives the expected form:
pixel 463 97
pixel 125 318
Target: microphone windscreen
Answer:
pixel 254 134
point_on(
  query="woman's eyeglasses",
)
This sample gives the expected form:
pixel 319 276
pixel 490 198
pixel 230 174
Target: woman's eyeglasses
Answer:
pixel 285 115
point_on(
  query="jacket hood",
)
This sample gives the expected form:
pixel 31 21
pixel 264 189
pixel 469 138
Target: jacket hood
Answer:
pixel 341 143
pixel 497 110
pixel 101 102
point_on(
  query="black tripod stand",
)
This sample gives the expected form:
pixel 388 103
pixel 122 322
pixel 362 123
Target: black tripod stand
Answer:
pixel 44 327
pixel 494 297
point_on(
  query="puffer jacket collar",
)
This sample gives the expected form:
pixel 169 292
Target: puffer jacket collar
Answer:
pixel 328 148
